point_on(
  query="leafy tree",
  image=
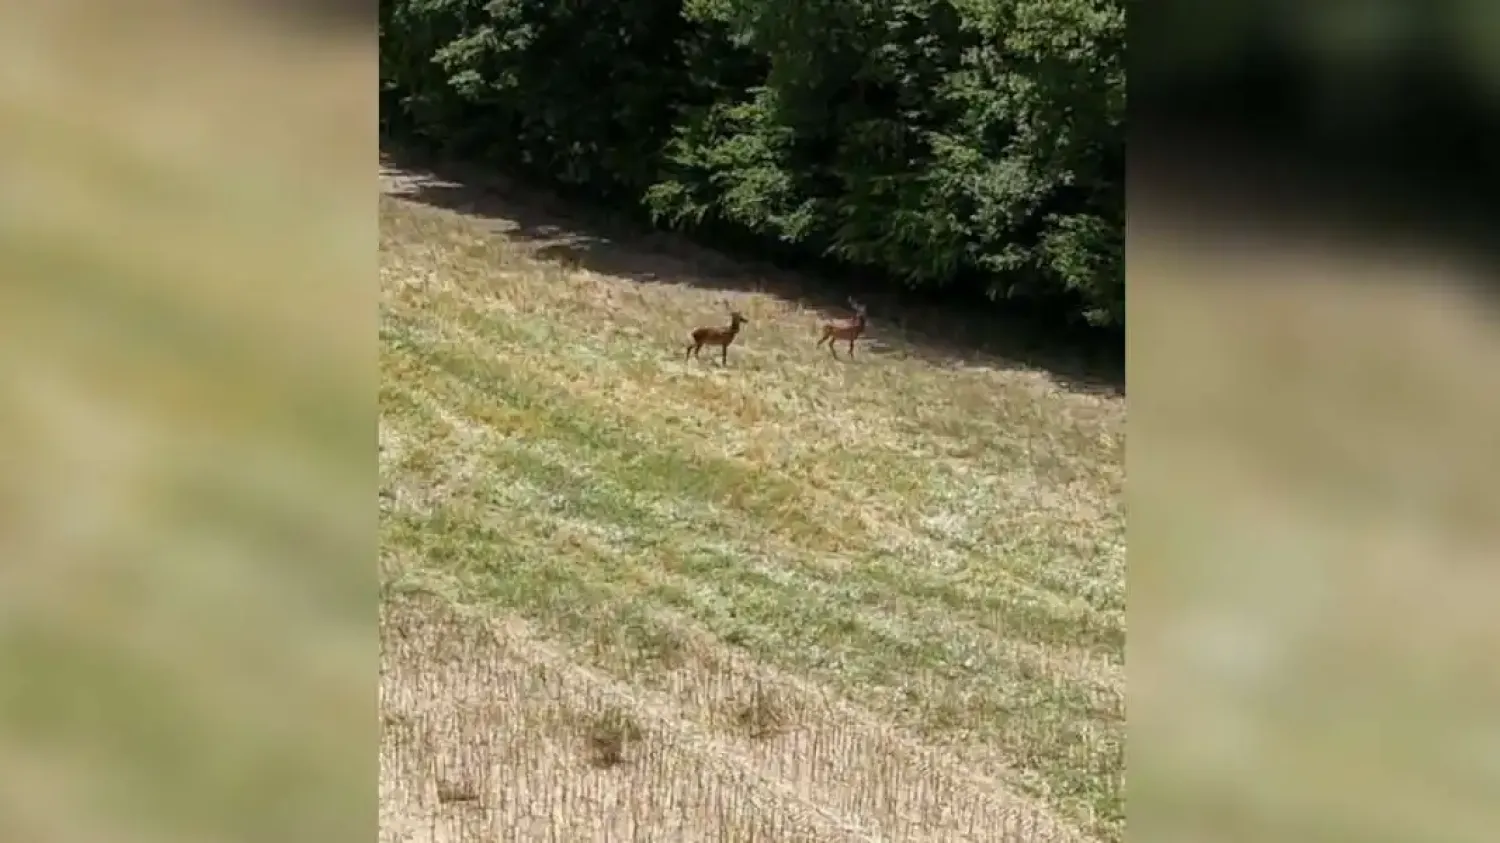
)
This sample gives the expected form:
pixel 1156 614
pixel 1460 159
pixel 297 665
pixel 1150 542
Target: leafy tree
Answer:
pixel 965 145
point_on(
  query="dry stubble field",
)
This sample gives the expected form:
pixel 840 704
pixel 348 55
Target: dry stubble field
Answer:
pixel 632 598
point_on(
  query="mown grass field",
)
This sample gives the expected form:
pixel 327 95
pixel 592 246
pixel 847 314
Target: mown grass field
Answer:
pixel 792 598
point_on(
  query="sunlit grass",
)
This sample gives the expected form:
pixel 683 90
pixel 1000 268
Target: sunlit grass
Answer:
pixel 941 547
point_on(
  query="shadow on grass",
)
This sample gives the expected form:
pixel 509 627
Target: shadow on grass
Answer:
pixel 901 323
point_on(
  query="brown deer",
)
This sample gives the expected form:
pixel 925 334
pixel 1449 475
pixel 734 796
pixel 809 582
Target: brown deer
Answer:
pixel 720 337
pixel 844 329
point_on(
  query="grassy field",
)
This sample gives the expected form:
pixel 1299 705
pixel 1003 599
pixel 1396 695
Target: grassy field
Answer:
pixel 629 597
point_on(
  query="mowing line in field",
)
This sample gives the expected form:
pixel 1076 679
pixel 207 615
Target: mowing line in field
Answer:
pixel 872 580
pixel 869 467
pixel 776 620
pixel 593 430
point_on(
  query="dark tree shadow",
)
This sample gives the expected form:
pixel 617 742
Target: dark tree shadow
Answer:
pixel 581 236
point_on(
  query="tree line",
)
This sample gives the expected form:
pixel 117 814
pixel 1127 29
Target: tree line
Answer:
pixel 968 147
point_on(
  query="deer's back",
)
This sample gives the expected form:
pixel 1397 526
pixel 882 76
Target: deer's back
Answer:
pixel 713 335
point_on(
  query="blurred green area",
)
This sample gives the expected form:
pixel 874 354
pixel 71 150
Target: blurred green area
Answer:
pixel 1184 39
pixel 1314 521
pixel 1315 429
pixel 187 543
pixel 1393 101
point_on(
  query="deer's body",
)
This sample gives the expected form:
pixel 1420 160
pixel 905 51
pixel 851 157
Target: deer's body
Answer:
pixel 720 337
pixel 847 330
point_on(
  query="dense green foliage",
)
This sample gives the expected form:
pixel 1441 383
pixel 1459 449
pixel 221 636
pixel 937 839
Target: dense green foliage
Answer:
pixel 970 145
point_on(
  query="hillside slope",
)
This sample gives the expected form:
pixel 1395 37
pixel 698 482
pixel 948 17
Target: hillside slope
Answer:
pixel 869 599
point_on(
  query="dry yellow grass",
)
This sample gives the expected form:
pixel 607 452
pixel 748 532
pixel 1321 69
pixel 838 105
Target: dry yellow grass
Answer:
pixel 868 600
pixel 1306 662
pixel 183 546
pixel 490 732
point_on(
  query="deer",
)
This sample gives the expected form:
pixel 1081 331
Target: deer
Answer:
pixel 844 329
pixel 720 337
